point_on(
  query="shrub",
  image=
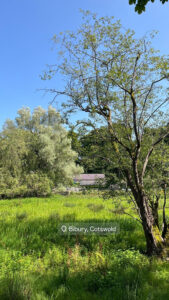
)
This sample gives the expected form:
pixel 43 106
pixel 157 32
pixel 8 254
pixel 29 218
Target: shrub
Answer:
pixel 38 184
pixel 33 184
pixel 10 187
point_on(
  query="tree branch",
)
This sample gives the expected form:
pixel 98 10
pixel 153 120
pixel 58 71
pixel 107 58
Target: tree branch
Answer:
pixel 149 91
pixel 150 152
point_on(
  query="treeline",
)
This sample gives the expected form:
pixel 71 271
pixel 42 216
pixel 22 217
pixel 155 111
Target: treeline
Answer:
pixel 97 153
pixel 35 154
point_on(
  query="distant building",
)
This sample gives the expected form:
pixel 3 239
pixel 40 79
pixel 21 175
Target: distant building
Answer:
pixel 89 179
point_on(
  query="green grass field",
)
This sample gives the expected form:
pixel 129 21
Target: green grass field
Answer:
pixel 37 262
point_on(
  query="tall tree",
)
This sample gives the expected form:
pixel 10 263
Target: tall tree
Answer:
pixel 37 143
pixel 116 78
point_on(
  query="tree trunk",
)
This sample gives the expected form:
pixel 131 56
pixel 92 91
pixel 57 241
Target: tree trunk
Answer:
pixel 154 207
pixel 164 226
pixel 154 240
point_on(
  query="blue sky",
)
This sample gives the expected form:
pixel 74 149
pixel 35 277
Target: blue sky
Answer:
pixel 26 29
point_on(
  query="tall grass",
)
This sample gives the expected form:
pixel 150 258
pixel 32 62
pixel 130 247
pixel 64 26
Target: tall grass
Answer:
pixel 36 262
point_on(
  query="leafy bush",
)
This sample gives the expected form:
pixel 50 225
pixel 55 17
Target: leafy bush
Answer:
pixel 10 186
pixel 33 184
pixel 38 184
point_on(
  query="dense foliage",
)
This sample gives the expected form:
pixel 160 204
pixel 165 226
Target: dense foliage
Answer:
pixel 96 154
pixel 35 154
pixel 140 5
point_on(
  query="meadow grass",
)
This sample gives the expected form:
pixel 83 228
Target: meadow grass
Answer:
pixel 38 263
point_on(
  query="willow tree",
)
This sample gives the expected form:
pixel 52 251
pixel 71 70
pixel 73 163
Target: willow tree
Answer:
pixel 37 143
pixel 117 79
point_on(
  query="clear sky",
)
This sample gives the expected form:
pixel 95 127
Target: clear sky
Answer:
pixel 26 29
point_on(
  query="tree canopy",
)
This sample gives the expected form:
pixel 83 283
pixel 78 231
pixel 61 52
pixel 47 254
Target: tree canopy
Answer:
pixel 140 5
pixel 35 149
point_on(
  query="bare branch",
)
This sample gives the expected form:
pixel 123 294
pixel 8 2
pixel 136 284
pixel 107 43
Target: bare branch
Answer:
pixel 151 115
pixel 134 70
pixel 150 152
pixel 132 217
pixel 147 95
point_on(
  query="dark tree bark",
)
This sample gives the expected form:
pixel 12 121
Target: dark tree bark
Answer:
pixel 164 226
pixel 154 206
pixel 154 241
